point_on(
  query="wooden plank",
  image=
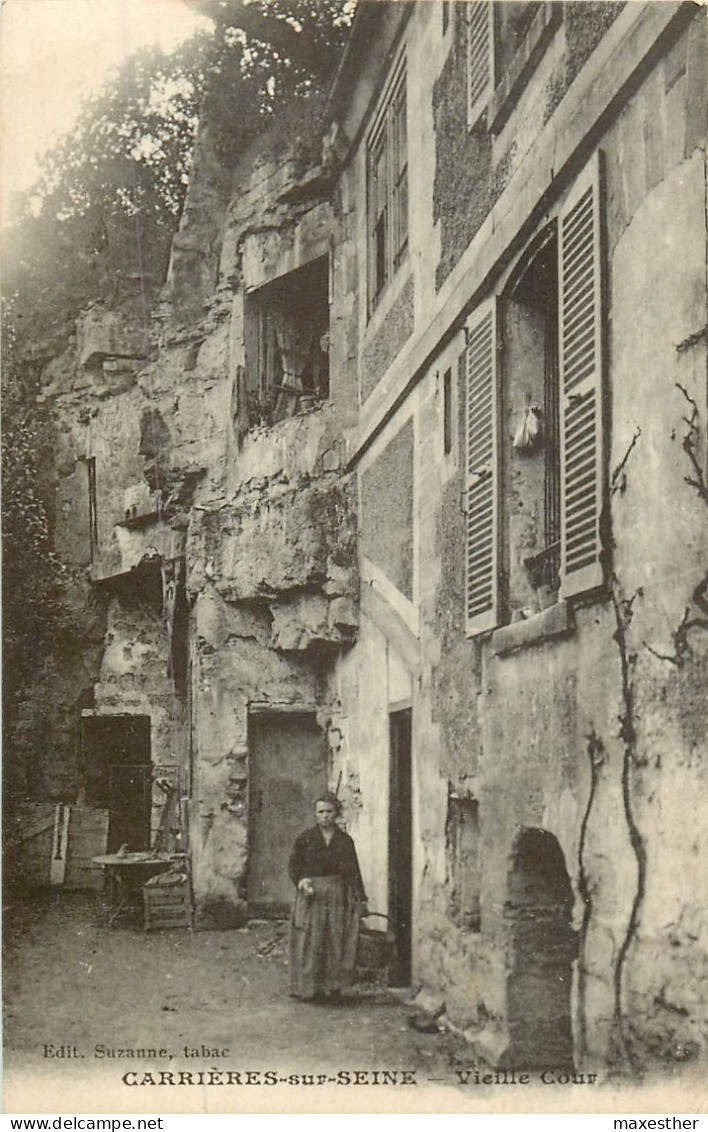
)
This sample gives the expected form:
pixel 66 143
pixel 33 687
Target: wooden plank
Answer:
pixel 88 837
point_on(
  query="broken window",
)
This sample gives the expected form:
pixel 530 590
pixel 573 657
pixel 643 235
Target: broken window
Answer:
pixel 464 861
pixel 287 343
pixel 387 188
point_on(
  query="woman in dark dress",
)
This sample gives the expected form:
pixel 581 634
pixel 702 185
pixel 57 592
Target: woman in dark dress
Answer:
pixel 329 902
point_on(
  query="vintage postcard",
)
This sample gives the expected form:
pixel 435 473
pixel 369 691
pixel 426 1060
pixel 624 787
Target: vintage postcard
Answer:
pixel 355 604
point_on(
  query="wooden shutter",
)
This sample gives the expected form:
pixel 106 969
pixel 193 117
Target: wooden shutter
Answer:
pixel 480 61
pixel 581 383
pixel 482 478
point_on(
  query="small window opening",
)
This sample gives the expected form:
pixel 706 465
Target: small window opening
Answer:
pixel 464 862
pixel 447 412
pixel 533 464
pixel 287 343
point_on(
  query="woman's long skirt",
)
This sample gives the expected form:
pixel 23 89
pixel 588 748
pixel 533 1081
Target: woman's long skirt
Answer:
pixel 323 938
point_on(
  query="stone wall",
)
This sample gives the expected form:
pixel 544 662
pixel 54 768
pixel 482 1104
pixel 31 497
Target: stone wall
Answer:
pixel 588 738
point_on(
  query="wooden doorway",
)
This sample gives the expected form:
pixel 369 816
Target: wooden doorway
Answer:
pixel 400 844
pixel 287 769
pixel 119 776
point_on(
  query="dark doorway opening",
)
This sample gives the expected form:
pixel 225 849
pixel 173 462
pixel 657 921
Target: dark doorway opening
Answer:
pixel 544 946
pixel 400 844
pixel 119 776
pixel 287 769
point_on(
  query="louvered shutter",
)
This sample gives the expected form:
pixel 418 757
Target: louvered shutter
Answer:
pixel 482 478
pixel 581 384
pixel 480 61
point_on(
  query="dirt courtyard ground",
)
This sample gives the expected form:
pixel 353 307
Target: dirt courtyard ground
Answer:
pixel 75 989
pixel 214 1007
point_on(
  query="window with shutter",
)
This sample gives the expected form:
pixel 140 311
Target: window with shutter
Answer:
pixel 480 57
pixel 482 478
pixel 530 408
pixel 387 188
pixel 581 384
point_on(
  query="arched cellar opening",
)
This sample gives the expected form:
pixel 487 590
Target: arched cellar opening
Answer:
pixel 543 947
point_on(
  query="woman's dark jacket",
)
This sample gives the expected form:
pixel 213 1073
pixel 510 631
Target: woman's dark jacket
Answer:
pixel 313 857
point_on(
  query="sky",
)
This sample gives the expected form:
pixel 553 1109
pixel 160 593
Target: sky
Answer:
pixel 53 53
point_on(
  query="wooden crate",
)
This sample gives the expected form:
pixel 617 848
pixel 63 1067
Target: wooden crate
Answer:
pixel 166 906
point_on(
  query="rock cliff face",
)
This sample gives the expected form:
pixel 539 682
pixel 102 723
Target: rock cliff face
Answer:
pixel 219 539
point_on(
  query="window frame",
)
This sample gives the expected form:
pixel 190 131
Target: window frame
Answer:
pixel 387 211
pixel 494 93
pixel 263 363
pixel 479 91
pixel 584 576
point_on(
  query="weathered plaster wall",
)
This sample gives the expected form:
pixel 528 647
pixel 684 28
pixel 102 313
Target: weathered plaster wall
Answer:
pixel 368 682
pixel 387 511
pixel 387 340
pixel 571 735
pixel 538 735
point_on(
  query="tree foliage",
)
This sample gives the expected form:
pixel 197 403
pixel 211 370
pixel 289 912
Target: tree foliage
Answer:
pixel 109 197
pixel 32 575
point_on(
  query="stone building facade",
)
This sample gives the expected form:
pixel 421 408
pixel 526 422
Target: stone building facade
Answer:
pixel 410 500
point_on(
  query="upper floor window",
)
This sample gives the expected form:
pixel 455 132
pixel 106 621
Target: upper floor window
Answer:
pixel 513 20
pixel 503 44
pixel 480 57
pixel 535 470
pixel 387 188
pixel 287 343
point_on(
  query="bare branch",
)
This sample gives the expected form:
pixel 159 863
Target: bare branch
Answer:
pixel 692 340
pixel 690 447
pixel 618 480
pixel 680 637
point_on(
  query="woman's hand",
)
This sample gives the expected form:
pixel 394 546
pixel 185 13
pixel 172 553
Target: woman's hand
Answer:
pixel 305 885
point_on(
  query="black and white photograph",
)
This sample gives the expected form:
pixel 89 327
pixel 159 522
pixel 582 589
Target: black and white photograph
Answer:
pixel 355 556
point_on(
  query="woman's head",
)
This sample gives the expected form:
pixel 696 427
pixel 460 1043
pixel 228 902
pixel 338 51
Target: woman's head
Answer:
pixel 327 809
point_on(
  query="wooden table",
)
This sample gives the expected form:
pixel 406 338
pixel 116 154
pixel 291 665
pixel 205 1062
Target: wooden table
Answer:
pixel 124 875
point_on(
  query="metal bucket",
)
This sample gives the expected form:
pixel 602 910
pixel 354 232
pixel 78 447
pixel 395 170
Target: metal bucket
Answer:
pixel 375 954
